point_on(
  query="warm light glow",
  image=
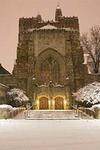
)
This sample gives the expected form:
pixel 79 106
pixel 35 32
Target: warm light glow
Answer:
pixel 37 102
pixel 65 102
pixel 49 104
pixel 42 96
pixel 59 96
pixel 53 102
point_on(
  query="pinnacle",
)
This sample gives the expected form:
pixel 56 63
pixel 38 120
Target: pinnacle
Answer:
pixel 58 5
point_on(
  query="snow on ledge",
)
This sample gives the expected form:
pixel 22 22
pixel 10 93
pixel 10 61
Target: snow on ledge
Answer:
pixel 4 106
pixel 50 27
pixel 96 106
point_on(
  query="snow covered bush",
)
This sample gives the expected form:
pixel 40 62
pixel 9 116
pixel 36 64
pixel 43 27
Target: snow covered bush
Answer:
pixel 89 95
pixel 16 97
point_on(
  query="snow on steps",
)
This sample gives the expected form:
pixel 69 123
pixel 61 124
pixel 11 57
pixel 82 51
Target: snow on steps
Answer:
pixel 52 114
pixel 49 115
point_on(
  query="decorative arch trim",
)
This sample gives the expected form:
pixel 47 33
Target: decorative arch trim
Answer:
pixel 50 49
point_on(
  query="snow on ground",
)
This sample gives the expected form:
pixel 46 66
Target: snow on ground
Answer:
pixel 49 134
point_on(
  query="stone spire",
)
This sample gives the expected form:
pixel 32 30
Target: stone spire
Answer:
pixel 39 18
pixel 58 13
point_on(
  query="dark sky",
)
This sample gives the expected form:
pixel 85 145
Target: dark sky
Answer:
pixel 88 12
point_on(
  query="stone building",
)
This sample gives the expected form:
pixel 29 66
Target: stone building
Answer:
pixel 3 91
pixel 7 78
pixel 49 64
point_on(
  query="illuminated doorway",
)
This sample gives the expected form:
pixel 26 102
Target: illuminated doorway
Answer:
pixel 43 103
pixel 59 103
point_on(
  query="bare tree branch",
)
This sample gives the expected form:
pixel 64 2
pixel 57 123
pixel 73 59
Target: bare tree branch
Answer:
pixel 91 45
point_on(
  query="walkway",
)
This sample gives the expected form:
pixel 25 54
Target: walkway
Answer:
pixel 49 134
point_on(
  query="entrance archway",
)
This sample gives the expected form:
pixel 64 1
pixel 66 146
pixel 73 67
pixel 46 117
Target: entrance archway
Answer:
pixel 43 103
pixel 59 103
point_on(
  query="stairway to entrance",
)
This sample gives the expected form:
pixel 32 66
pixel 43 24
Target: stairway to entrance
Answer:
pixel 52 114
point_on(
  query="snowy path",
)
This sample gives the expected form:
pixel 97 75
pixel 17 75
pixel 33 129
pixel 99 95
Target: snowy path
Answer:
pixel 49 134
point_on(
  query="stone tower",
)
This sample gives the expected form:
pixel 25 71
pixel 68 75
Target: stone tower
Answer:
pixel 58 13
pixel 49 62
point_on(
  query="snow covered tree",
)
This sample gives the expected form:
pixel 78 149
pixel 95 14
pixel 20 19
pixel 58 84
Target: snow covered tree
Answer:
pixel 88 95
pixel 16 97
pixel 91 45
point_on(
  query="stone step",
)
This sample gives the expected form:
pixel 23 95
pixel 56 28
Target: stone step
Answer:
pixel 52 114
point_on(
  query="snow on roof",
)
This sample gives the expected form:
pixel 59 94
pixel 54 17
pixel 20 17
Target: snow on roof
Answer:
pixel 48 26
pixel 51 27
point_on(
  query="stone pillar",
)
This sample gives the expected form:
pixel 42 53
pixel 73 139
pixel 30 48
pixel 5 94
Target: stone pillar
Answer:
pixel 65 104
pixel 53 104
pixel 49 103
pixel 68 94
pixel 34 89
pixel 37 104
pixel 50 94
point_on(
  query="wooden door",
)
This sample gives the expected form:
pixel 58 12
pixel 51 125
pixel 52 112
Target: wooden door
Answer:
pixel 59 103
pixel 43 103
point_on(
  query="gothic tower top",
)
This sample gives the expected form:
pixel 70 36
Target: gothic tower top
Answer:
pixel 61 22
pixel 58 13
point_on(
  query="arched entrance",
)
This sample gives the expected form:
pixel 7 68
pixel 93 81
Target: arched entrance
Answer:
pixel 59 103
pixel 43 103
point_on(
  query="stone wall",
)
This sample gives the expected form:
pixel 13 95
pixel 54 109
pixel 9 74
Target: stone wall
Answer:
pixel 3 91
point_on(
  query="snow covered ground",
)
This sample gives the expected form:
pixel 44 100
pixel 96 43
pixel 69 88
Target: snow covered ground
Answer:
pixel 49 134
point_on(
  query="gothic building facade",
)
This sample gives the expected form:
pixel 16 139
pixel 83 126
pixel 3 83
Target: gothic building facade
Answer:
pixel 49 64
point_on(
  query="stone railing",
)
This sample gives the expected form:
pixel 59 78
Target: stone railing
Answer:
pixel 86 111
pixel 97 112
pixel 7 114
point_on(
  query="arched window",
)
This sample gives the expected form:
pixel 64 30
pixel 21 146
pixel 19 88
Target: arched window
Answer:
pixel 50 70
